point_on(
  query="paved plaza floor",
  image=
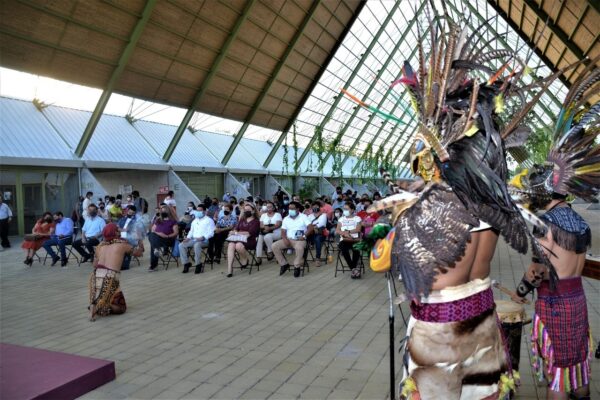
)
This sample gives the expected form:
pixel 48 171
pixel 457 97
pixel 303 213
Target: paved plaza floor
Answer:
pixel 253 336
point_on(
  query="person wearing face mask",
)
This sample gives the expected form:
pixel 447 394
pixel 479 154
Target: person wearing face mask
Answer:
pixel 63 236
pixel 163 235
pixel 294 229
pixel 319 222
pixel 115 211
pixel 349 228
pixel 338 202
pixel 85 204
pixel 249 227
pixel 270 231
pixel 201 231
pixel 285 206
pixel 213 209
pixel 43 229
pixel 103 212
pixel 131 229
pixel 225 223
pixel 307 207
pixel 337 214
pixel 91 233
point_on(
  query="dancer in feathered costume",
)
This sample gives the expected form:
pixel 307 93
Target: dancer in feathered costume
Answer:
pixel 444 237
pixel 561 340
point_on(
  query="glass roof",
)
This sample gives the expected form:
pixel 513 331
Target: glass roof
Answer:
pixel 366 63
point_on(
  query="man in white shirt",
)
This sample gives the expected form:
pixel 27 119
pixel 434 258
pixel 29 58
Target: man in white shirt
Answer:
pixel 270 231
pixel 86 203
pixel 202 228
pixel 294 229
pixel 5 218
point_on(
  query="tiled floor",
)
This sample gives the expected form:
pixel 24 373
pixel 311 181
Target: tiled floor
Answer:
pixel 252 337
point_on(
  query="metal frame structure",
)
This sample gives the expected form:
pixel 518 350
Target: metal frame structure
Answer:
pixel 290 47
pixel 206 82
pixel 114 78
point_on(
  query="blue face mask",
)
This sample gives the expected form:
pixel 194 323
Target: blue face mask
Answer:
pixel 293 213
pixel 198 214
pixel 286 202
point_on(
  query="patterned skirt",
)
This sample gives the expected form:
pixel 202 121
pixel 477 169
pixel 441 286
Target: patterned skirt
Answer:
pixel 105 291
pixel 560 337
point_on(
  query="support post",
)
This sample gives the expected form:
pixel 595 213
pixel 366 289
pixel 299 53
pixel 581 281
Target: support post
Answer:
pixel 114 78
pixel 207 81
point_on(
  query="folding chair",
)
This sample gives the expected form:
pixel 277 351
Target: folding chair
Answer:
pixel 252 263
pixel 167 256
pixel 68 250
pixel 340 266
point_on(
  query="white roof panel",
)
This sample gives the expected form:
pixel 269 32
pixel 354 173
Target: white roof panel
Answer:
pixel 25 133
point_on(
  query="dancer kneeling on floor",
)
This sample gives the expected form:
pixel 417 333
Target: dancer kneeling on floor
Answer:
pixel 294 229
pixel 243 238
pixel 202 229
pixel 106 296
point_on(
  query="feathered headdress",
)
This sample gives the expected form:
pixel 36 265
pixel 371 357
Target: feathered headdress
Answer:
pixel 460 146
pixel 573 162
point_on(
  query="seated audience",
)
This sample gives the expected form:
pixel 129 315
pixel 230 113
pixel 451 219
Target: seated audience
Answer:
pixel 63 236
pixel 247 227
pixel 106 296
pixel 42 230
pixel 213 209
pixel 349 229
pixel 90 234
pixel 318 220
pixel 163 233
pixel 115 210
pixel 270 231
pixel 132 229
pixel 103 212
pixel 293 236
pixel 225 223
pixel 201 231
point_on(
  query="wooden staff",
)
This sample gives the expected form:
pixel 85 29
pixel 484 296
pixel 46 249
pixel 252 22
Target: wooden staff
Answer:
pixel 509 292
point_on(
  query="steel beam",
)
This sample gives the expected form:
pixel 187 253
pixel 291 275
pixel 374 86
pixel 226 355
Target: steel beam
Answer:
pixel 528 40
pixel 207 81
pixel 338 98
pixel 114 78
pixel 314 84
pixel 291 46
pixel 383 99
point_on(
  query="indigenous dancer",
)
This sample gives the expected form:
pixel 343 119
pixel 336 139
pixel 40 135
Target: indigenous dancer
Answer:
pixel 442 244
pixel 561 339
pixel 106 296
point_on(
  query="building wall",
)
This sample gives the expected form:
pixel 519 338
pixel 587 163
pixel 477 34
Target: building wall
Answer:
pixel 203 184
pixel 148 183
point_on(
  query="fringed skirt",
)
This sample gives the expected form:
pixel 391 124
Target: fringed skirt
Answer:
pixel 560 337
pixel 455 348
pixel 105 292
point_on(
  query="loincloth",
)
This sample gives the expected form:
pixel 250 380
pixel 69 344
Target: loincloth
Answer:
pixel 105 291
pixel 560 337
pixel 455 348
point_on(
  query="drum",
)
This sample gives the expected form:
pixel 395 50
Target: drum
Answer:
pixel 512 318
pixel 591 267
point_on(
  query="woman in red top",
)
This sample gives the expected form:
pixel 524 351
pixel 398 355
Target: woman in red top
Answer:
pixel 248 226
pixel 41 232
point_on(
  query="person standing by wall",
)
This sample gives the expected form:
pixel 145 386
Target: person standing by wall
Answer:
pixel 5 218
pixel 84 206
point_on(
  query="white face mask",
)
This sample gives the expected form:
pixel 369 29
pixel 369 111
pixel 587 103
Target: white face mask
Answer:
pixel 264 208
pixel 346 213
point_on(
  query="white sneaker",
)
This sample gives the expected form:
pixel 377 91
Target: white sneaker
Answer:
pixel 156 253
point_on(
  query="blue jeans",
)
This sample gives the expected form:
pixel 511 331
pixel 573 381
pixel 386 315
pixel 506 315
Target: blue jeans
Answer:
pixel 318 240
pixel 61 243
